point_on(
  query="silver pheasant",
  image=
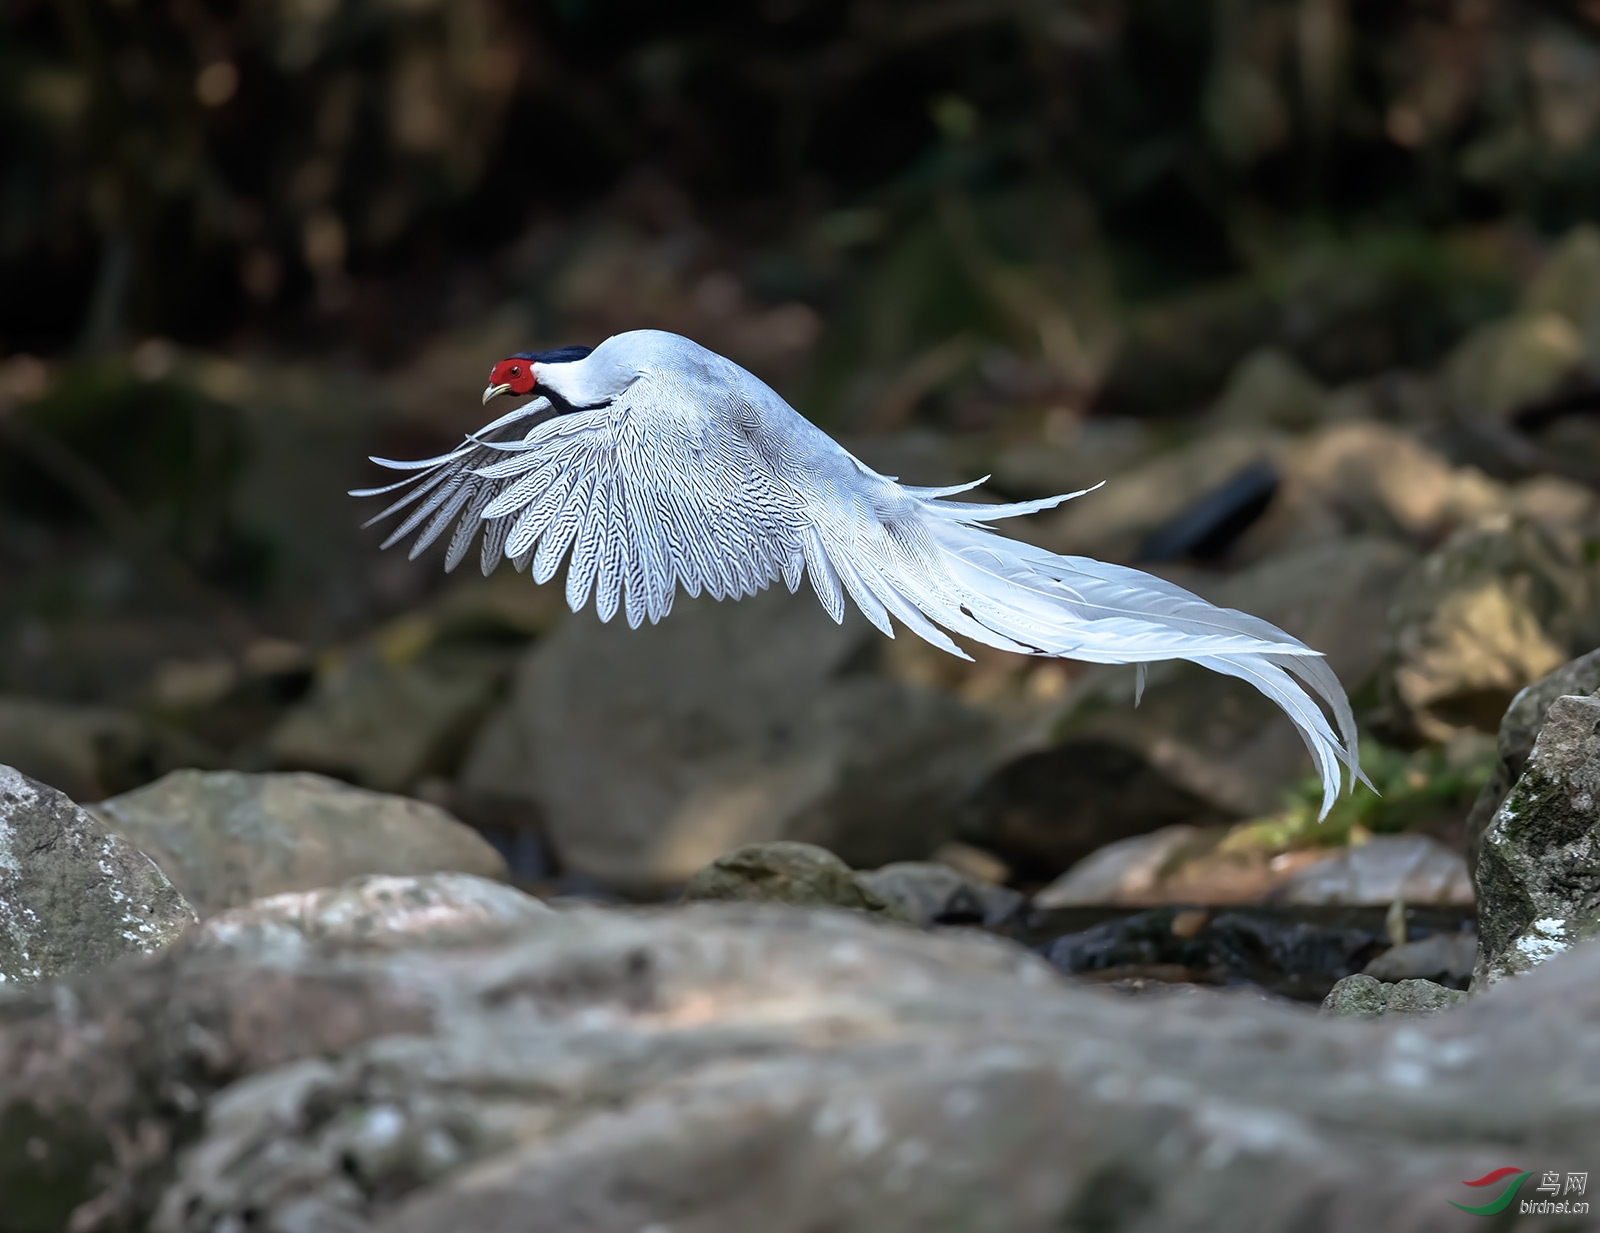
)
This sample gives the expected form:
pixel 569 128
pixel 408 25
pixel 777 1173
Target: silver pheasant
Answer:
pixel 656 463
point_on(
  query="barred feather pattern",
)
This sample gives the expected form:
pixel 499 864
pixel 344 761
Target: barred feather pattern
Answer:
pixel 690 472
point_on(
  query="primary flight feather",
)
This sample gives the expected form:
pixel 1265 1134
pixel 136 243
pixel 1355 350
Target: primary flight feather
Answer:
pixel 650 463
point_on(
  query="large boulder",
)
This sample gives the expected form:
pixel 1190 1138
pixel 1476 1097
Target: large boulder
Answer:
pixel 1519 728
pixel 225 838
pixel 720 1067
pixel 654 751
pixel 1494 608
pixel 73 896
pixel 1538 874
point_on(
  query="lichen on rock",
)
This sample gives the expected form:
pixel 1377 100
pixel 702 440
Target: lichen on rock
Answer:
pixel 72 895
pixel 1538 874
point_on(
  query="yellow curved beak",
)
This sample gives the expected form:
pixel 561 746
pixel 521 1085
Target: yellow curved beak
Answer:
pixel 494 391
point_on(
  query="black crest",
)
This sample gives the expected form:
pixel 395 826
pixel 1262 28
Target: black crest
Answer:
pixel 561 355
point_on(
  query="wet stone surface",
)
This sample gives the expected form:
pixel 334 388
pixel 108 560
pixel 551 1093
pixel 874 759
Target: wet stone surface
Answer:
pixel 1297 953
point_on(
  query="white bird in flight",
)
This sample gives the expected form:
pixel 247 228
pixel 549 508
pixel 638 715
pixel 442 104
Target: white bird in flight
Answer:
pixel 656 463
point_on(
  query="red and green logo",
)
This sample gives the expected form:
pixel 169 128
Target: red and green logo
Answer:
pixel 1502 1200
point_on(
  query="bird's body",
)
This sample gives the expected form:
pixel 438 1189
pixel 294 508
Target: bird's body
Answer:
pixel 654 463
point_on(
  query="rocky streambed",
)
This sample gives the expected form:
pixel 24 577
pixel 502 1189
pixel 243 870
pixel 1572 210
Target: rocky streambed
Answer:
pixel 794 1043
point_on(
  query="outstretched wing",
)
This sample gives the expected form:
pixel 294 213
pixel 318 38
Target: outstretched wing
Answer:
pixel 641 503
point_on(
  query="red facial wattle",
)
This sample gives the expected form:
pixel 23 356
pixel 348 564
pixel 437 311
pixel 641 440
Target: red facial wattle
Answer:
pixel 518 374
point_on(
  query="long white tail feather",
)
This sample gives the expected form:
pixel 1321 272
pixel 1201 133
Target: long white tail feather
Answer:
pixel 1019 597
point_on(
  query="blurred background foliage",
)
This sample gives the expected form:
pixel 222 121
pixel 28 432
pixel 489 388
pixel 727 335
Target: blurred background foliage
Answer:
pixel 942 182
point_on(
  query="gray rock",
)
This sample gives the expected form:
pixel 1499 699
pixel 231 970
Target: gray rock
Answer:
pixel 1538 874
pixel 784 872
pixel 930 893
pixel 1519 728
pixel 1504 364
pixel 386 725
pixel 225 838
pixel 1269 388
pixel 1415 868
pixel 1422 997
pixel 72 896
pixel 1125 872
pixel 375 910
pixel 1444 958
pixel 722 1067
pixel 1364 997
pixel 653 751
pixel 1493 609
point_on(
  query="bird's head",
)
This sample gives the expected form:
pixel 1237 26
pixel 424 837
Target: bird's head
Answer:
pixel 519 374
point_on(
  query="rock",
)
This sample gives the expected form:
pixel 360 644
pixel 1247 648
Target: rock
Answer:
pixel 1538 874
pixel 1125 872
pixel 1057 808
pixel 1443 958
pixel 1519 728
pixel 693 1067
pixel 1371 479
pixel 88 752
pixel 1357 997
pixel 1114 522
pixel 1415 868
pixel 1504 365
pixel 386 724
pixel 1269 389
pixel 1217 739
pixel 72 896
pixel 1275 949
pixel 226 838
pixel 1566 283
pixel 1364 997
pixel 976 863
pixel 933 894
pixel 784 872
pixel 375 910
pixel 1559 505
pixel 651 752
pixel 1493 609
pixel 1422 997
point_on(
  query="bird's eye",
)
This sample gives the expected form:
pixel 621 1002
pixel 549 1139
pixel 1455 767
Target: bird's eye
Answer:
pixel 516 370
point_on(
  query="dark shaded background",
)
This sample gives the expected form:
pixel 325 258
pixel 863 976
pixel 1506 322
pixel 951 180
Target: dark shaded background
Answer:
pixel 244 244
